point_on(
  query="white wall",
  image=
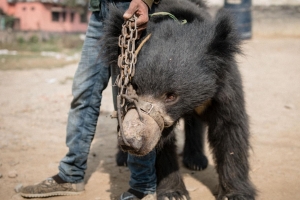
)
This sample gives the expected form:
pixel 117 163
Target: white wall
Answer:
pixel 259 2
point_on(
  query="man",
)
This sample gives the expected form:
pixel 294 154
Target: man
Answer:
pixel 90 80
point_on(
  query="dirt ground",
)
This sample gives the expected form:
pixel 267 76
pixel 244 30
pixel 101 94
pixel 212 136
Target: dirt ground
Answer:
pixel 33 115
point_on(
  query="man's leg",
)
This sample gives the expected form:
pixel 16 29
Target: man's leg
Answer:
pixel 143 176
pixel 90 80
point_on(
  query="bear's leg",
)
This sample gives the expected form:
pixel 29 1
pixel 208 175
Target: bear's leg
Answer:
pixel 121 157
pixel 229 138
pixel 193 152
pixel 169 181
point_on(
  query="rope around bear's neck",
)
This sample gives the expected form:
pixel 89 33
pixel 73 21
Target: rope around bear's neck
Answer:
pixel 170 15
pixel 149 35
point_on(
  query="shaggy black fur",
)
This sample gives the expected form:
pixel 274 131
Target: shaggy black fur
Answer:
pixel 196 63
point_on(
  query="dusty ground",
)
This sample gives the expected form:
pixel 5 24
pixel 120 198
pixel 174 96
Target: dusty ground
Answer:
pixel 33 114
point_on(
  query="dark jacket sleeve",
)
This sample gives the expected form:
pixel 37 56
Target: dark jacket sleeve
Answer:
pixel 150 2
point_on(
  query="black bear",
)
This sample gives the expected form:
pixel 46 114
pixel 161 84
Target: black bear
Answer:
pixel 187 71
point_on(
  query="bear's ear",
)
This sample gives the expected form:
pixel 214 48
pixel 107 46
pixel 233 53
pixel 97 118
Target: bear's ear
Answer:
pixel 226 41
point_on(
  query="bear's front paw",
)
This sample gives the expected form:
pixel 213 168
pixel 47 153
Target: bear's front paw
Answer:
pixel 173 196
pixel 195 162
pixel 238 197
pixel 246 191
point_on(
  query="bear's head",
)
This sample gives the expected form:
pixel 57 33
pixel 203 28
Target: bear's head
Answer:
pixel 178 70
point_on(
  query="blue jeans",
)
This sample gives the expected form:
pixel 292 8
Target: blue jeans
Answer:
pixel 91 78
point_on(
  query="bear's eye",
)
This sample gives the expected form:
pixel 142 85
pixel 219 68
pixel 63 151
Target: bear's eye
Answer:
pixel 170 97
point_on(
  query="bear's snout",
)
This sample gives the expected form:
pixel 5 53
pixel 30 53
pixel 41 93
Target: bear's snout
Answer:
pixel 140 137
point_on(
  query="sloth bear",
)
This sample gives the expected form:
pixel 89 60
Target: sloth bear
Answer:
pixel 187 71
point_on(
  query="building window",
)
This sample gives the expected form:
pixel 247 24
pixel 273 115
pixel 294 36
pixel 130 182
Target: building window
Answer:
pixel 32 8
pixel 72 17
pixel 55 16
pixel 24 8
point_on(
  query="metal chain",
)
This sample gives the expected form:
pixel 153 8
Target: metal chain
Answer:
pixel 126 63
pixel 127 57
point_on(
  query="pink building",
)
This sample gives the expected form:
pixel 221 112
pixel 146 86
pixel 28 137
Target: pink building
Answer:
pixel 45 15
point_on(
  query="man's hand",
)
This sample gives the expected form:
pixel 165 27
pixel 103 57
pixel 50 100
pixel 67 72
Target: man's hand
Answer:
pixel 140 9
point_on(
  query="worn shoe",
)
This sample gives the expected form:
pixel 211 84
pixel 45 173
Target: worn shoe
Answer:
pixel 130 196
pixel 50 187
